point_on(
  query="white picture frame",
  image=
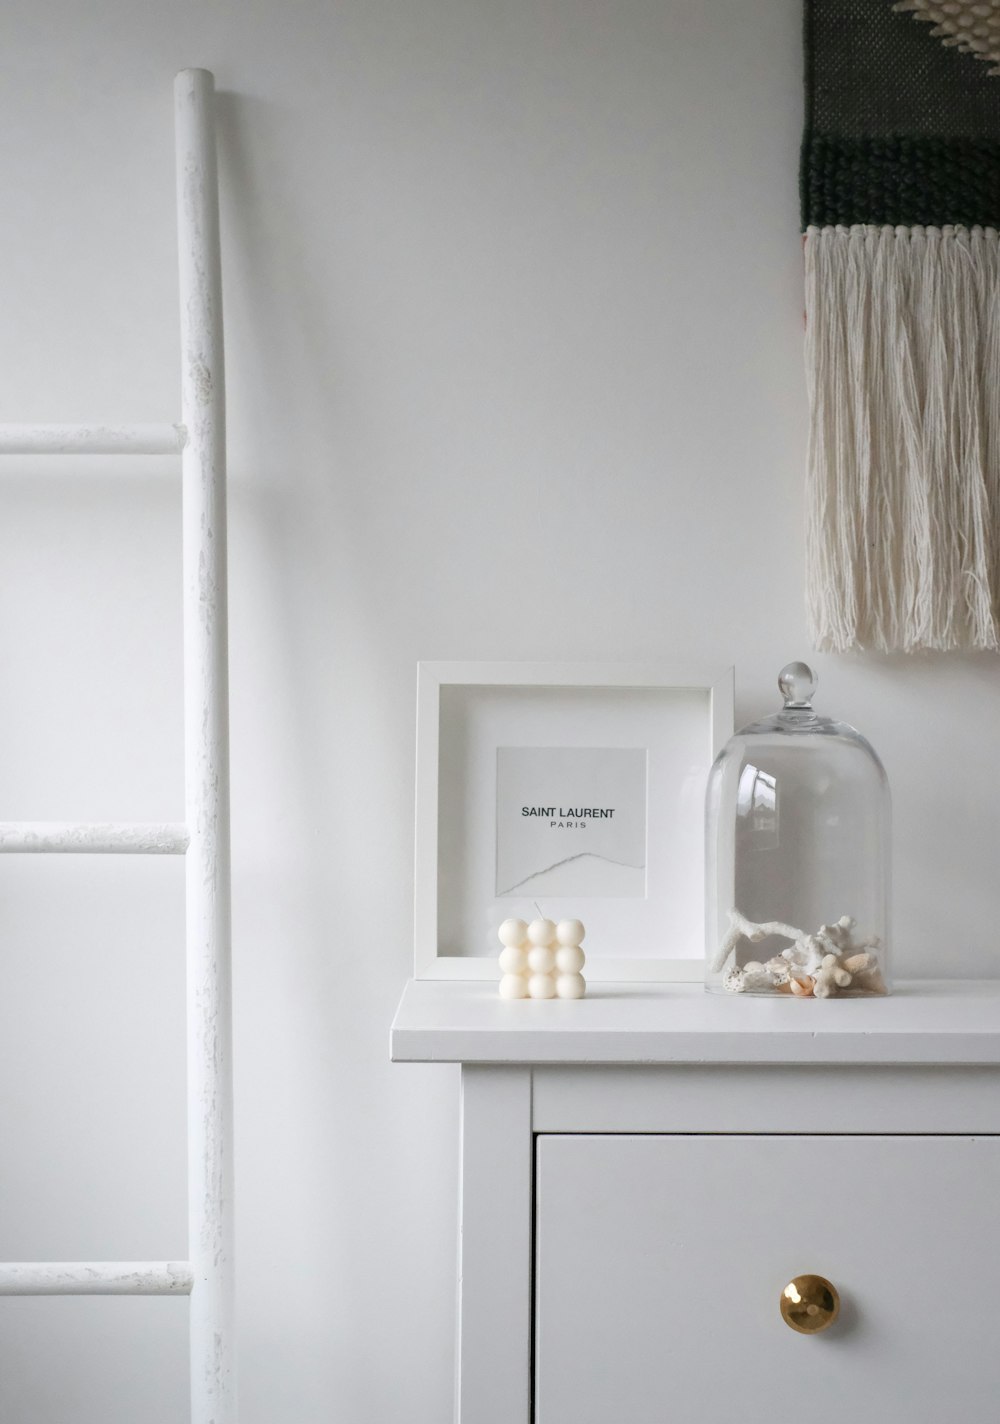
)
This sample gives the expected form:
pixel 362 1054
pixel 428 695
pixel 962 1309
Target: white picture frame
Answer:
pixel 682 714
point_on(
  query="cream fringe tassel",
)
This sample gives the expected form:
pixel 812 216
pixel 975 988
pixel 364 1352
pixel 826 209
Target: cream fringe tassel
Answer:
pixel 903 483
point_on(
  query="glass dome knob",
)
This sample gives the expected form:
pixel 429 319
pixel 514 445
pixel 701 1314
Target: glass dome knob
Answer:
pixel 797 683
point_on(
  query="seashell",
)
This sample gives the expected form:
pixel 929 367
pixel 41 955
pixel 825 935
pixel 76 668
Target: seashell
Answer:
pixel 802 985
pixel 778 969
pixel 734 981
pixel 855 963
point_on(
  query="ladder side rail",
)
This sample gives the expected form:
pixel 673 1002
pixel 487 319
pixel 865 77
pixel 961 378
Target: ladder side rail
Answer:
pixel 208 933
pixel 91 439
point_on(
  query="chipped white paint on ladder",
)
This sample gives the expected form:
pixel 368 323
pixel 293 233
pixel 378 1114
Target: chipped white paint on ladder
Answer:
pixel 91 439
pixel 210 1152
pixel 95 1278
pixel 93 837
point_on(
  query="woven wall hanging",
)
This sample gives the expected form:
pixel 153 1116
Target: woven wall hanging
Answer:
pixel 900 187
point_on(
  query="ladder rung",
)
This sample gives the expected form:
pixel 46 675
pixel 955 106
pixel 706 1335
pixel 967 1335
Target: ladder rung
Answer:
pixel 91 439
pixel 95 838
pixel 96 1278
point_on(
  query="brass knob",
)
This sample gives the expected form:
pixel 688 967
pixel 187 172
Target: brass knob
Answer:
pixel 809 1304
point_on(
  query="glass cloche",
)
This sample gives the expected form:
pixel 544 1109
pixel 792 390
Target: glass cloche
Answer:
pixel 798 827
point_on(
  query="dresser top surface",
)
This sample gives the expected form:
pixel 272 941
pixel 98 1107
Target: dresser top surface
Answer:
pixel 923 1022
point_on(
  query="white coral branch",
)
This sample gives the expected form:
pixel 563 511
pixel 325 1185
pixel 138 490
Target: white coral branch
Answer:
pixel 742 928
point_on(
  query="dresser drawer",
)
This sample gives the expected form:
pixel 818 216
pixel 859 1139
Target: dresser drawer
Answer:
pixel 660 1262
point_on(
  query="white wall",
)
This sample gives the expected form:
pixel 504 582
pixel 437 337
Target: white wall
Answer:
pixel 513 303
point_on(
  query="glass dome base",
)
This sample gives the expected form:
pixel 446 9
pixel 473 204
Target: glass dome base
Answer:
pixel 786 993
pixel 797 856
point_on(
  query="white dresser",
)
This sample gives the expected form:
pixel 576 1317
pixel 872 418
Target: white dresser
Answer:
pixel 644 1171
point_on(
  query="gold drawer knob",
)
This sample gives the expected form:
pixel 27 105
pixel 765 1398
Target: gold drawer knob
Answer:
pixel 809 1304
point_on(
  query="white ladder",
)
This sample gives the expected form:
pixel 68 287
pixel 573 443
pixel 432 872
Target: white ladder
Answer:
pixel 204 837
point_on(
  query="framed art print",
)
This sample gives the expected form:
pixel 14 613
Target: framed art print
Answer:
pixel 569 791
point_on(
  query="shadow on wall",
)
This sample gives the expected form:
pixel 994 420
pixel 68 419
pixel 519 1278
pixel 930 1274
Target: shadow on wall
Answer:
pixel 322 801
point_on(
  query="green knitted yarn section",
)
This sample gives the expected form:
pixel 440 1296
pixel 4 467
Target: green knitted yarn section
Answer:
pixel 901 127
pixel 900 181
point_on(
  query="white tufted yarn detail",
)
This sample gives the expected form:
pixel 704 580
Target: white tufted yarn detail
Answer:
pixel 972 26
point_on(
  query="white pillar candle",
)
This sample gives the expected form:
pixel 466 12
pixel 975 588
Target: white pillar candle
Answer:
pixel 541 960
